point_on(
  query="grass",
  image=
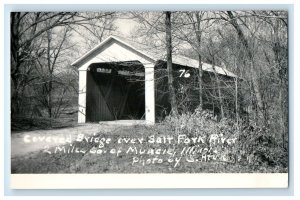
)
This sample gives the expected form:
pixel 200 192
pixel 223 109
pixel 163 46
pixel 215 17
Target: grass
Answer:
pixel 22 123
pixel 41 162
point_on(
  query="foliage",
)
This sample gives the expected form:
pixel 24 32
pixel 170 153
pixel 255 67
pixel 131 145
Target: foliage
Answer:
pixel 264 154
pixel 251 44
pixel 256 146
pixel 260 148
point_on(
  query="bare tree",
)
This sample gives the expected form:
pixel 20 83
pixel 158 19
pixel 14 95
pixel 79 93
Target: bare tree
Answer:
pixel 48 70
pixel 96 29
pixel 233 21
pixel 172 95
pixel 26 31
pixel 195 19
pixel 276 55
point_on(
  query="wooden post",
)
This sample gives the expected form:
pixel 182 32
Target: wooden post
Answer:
pixel 82 96
pixel 149 94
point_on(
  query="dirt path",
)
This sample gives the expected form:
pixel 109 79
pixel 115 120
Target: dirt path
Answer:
pixel 24 143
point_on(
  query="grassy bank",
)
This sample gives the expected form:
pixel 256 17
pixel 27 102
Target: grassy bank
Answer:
pixel 122 151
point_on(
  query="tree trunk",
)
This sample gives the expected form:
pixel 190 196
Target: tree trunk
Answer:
pixel 236 102
pixel 172 95
pixel 254 75
pixel 15 63
pixel 198 36
pixel 220 98
pixel 200 81
pixel 281 57
pixel 50 71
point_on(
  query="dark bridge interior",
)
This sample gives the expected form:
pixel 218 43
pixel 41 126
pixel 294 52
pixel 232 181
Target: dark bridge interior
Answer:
pixel 115 91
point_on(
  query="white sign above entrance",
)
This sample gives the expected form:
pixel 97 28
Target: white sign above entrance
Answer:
pixel 103 70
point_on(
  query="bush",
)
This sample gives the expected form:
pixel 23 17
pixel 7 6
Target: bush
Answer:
pixel 260 148
pixel 256 146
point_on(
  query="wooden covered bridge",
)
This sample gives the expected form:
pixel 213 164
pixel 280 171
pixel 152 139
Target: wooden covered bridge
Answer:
pixel 121 79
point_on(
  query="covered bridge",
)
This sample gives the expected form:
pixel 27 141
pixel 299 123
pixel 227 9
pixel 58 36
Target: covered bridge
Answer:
pixel 117 80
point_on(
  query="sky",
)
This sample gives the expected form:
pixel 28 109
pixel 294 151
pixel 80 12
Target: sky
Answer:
pixel 125 26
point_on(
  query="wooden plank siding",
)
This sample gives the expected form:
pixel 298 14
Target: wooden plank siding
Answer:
pixel 187 90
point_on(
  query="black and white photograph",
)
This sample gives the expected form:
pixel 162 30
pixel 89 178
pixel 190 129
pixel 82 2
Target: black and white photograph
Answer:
pixel 144 92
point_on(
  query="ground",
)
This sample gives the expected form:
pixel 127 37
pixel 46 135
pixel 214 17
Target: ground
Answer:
pixel 116 147
pixel 19 148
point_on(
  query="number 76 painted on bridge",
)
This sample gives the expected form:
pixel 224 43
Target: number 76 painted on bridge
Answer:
pixel 184 73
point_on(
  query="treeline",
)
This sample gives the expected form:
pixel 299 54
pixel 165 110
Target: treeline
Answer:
pixel 44 86
pixel 251 44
